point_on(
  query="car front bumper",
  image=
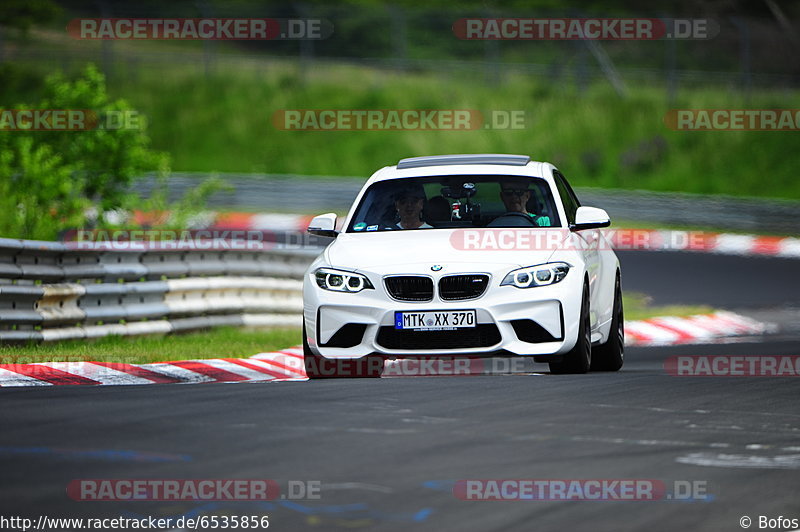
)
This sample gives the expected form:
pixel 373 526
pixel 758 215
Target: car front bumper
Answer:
pixel 531 321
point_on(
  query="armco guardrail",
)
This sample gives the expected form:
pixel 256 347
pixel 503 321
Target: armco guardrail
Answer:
pixel 298 193
pixel 56 291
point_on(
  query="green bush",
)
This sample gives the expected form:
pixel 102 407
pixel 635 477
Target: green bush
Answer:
pixel 52 180
pixel 38 195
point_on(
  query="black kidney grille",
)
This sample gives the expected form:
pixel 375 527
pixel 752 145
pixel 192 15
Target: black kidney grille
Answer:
pixel 410 287
pixel 459 287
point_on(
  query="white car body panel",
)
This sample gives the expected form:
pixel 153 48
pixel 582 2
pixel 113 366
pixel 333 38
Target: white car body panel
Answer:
pixel 376 255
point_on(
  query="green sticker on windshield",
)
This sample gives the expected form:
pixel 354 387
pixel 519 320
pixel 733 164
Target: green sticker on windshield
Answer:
pixel 359 226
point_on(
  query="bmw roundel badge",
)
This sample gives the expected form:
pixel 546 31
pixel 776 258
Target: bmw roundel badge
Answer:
pixel 436 267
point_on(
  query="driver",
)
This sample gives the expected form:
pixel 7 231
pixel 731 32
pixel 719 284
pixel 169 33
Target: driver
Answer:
pixel 408 202
pixel 515 195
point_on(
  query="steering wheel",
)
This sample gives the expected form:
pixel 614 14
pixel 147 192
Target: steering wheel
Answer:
pixel 513 219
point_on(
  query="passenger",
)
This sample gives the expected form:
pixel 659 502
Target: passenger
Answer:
pixel 409 202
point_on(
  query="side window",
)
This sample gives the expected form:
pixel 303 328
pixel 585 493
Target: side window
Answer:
pixel 568 197
pixel 569 190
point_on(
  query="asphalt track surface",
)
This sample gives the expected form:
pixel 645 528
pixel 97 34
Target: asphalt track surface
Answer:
pixel 724 281
pixel 387 452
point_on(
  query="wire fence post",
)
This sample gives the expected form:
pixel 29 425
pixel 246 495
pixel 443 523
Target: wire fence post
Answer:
pixel 744 55
pixel 107 49
pixel 671 66
pixel 209 46
pixel 306 45
pixel 399 36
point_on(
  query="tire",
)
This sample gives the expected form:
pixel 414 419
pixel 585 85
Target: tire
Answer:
pixel 579 358
pixel 611 355
pixel 319 367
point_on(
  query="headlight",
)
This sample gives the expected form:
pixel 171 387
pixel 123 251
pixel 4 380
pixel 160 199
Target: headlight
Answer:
pixel 541 275
pixel 339 281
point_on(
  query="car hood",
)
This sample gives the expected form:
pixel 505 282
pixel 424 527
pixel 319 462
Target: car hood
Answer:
pixel 390 252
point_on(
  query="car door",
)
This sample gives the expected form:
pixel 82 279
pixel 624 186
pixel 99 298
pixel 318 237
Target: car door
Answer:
pixel 589 241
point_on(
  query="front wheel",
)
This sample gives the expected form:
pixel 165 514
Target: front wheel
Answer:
pixel 611 355
pixel 579 358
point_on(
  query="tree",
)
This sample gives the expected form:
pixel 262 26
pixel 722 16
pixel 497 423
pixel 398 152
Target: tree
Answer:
pixel 50 179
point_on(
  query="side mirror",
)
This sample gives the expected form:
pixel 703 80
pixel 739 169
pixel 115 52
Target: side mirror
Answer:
pixel 590 218
pixel 323 225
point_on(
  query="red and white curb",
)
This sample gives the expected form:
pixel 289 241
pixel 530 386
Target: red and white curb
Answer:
pixel 263 221
pixel 617 238
pixel 285 365
pixel 698 329
pixel 703 241
pixel 288 365
pixel 622 239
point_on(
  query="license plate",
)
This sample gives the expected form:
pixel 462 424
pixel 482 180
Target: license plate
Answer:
pixel 435 320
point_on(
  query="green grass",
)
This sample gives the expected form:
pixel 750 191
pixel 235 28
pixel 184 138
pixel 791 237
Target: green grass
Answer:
pixel 223 122
pixel 631 224
pixel 225 342
pixel 229 342
pixel 637 307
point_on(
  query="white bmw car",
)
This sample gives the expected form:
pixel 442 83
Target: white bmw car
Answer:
pixel 464 255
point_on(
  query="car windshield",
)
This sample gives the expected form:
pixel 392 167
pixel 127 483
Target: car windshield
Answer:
pixel 455 201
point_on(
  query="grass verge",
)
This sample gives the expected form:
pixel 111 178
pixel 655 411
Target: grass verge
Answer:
pixel 661 226
pixel 224 342
pixel 637 307
pixel 223 122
